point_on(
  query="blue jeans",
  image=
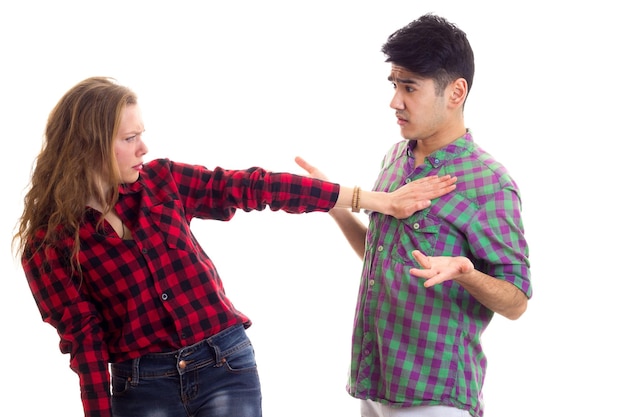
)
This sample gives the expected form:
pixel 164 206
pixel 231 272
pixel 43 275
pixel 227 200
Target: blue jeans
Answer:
pixel 213 378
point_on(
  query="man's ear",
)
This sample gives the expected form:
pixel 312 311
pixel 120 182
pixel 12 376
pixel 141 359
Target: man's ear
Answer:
pixel 458 92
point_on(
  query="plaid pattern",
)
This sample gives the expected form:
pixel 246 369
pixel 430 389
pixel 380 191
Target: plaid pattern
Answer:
pixel 421 346
pixel 159 292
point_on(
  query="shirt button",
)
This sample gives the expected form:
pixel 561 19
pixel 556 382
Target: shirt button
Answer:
pixel 144 250
pixel 372 282
pixel 436 160
pixel 380 248
pixel 408 180
pixel 416 226
pixel 164 296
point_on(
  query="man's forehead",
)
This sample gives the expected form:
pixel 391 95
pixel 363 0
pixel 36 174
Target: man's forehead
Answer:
pixel 399 73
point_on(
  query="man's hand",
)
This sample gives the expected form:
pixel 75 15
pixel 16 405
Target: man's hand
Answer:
pixel 313 171
pixel 437 269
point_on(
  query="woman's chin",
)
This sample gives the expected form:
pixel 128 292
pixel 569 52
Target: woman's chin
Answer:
pixel 130 178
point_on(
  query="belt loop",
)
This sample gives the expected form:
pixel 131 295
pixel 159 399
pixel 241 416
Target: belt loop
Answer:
pixel 221 343
pixel 216 352
pixel 135 372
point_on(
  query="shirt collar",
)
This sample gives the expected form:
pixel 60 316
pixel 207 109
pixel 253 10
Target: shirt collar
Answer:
pixel 131 188
pixel 448 152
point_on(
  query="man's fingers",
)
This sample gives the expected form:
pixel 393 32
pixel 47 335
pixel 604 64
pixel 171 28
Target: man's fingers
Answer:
pixel 304 164
pixel 421 259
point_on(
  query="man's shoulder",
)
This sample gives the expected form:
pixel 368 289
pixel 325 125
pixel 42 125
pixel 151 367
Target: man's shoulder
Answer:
pixel 395 151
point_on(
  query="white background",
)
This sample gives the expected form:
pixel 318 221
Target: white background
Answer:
pixel 257 83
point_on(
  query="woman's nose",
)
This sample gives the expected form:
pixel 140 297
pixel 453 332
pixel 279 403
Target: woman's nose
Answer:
pixel 143 148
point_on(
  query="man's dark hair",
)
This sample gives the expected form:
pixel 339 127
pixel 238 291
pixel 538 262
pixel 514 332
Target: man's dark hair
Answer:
pixel 432 47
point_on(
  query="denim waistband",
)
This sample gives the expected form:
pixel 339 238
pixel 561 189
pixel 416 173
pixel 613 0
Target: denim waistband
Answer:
pixel 211 351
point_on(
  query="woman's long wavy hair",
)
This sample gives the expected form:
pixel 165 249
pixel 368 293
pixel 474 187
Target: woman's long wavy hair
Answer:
pixel 76 163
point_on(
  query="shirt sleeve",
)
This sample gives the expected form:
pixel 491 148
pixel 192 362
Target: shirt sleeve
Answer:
pixel 496 237
pixel 58 297
pixel 207 191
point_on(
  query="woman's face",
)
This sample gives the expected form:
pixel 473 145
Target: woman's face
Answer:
pixel 128 146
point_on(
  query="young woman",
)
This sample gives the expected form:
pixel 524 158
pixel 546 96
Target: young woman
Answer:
pixel 107 249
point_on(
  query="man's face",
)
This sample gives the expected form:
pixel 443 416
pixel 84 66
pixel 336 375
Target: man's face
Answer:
pixel 420 111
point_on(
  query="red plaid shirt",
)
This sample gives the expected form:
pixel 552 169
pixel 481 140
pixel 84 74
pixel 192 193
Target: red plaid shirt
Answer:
pixel 160 291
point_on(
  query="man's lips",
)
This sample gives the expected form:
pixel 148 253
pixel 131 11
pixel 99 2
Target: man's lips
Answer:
pixel 402 121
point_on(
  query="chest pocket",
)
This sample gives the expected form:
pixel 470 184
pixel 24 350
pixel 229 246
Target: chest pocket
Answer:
pixel 416 232
pixel 169 218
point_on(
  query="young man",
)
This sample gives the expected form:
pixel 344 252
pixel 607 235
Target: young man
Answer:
pixel 420 313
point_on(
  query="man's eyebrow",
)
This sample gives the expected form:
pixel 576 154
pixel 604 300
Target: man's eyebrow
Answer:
pixel 401 80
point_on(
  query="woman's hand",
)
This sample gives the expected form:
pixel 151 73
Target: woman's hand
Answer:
pixel 417 195
pixel 401 203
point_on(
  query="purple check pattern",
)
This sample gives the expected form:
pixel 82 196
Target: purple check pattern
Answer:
pixel 421 346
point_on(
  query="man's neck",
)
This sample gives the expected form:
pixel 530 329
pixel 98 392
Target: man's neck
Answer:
pixel 428 145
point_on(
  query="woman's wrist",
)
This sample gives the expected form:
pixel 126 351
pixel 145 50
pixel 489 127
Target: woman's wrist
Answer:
pixel 356 199
pixel 374 201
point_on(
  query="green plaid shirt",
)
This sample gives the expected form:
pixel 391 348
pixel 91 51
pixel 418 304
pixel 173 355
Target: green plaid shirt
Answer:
pixel 421 346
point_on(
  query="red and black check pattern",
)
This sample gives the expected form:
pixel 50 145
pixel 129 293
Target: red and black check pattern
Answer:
pixel 160 291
